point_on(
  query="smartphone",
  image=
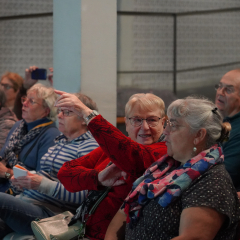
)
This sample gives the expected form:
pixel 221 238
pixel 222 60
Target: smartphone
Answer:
pixel 39 73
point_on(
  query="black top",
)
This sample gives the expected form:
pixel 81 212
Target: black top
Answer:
pixel 213 189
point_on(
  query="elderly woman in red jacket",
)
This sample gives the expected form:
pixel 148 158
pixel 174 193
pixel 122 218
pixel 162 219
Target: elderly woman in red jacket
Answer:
pixel 131 155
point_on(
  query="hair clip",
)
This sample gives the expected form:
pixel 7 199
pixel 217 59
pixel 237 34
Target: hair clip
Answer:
pixel 214 110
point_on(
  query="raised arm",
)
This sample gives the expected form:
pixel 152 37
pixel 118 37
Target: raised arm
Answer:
pixel 128 155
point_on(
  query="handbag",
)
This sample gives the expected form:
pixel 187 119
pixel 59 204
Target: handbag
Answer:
pixel 64 226
pixel 47 228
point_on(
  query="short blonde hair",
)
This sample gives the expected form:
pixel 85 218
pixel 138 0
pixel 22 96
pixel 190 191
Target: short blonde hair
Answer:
pixel 48 96
pixel 146 101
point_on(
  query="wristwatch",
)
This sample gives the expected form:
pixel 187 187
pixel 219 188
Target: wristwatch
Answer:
pixel 89 117
pixel 7 175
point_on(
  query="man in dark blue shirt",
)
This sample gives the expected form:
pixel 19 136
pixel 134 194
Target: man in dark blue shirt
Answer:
pixel 228 102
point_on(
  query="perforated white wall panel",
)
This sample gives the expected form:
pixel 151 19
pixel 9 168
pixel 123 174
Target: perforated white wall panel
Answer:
pixel 175 6
pixel 146 80
pixel 26 42
pixel 20 7
pixel 145 43
pixel 208 39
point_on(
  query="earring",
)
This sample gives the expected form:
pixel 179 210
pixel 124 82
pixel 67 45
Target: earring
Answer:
pixel 194 149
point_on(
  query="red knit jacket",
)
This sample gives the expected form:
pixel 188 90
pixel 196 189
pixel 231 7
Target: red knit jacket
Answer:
pixel 129 156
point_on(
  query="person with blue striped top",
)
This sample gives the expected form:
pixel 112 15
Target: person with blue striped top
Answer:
pixel 42 194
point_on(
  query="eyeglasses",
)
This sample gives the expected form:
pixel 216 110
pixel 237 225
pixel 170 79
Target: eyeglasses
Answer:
pixel 151 121
pixel 29 100
pixel 226 88
pixel 6 86
pixel 172 125
pixel 65 112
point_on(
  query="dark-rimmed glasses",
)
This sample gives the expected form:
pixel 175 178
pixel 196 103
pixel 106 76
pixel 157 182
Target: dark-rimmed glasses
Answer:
pixel 65 112
pixel 151 121
pixel 226 88
pixel 29 100
pixel 6 86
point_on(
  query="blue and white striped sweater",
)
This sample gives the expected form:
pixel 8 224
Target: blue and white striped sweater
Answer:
pixel 51 190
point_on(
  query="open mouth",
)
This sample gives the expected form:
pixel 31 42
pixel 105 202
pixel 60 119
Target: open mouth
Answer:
pixel 220 101
pixel 144 135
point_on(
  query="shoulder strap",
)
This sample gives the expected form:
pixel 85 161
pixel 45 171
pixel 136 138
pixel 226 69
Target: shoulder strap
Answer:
pixel 99 201
pixel 100 197
pixel 30 149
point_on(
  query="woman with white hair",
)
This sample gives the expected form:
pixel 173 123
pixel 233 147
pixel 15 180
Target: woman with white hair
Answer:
pixel 30 138
pixel 188 193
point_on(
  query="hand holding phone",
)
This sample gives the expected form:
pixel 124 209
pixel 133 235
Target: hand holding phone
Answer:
pixel 39 74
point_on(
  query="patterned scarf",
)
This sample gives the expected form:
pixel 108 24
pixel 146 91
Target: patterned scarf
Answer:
pixel 165 182
pixel 18 139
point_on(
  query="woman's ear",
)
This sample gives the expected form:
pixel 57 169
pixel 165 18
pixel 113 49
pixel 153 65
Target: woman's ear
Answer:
pixel 47 111
pixel 200 136
pixel 163 121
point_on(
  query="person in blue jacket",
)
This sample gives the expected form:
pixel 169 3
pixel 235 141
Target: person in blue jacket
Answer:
pixel 30 138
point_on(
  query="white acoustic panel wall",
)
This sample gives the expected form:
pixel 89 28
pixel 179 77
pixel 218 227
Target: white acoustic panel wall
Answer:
pixel 145 43
pixel 22 7
pixel 201 82
pixel 208 39
pixel 161 81
pixel 174 6
pixel 26 42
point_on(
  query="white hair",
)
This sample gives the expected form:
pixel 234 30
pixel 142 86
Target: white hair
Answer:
pixel 48 96
pixel 199 113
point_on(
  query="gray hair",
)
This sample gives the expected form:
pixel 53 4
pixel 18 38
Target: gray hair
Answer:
pixel 2 98
pixel 200 113
pixel 48 96
pixel 87 101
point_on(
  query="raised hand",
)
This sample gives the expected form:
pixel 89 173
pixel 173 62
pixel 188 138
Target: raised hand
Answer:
pixel 28 81
pixel 72 103
pixel 110 176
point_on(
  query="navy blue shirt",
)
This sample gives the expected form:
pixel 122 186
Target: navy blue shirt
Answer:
pixel 46 140
pixel 231 150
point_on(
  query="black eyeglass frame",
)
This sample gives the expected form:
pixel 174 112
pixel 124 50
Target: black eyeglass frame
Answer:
pixel 146 119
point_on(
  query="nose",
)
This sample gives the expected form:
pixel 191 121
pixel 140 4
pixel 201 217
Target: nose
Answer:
pixel 144 124
pixel 166 130
pixel 25 103
pixel 60 114
pixel 221 91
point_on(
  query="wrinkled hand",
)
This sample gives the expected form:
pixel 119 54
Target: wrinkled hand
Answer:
pixel 72 103
pixel 28 81
pixel 31 181
pixel 3 169
pixel 110 175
